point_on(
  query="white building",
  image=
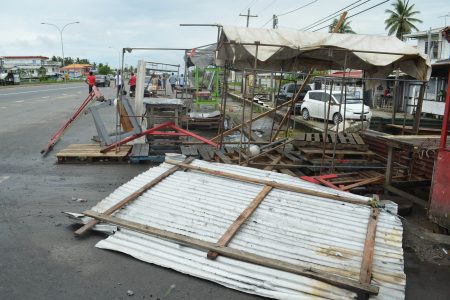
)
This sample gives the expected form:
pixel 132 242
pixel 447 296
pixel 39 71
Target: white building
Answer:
pixel 434 43
pixel 28 66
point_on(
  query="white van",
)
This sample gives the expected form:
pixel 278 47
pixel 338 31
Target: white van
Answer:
pixel 315 105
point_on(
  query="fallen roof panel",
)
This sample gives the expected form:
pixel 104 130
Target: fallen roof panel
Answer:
pixel 305 230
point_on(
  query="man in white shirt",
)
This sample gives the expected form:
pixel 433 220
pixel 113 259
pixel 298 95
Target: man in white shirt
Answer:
pixel 181 81
pixel 118 82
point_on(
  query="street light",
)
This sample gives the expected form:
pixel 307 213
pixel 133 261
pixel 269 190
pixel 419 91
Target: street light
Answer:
pixel 62 44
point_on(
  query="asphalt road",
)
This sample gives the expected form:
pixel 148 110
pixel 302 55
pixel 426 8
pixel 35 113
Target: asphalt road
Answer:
pixel 39 256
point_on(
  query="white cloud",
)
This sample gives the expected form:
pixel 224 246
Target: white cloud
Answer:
pixel 140 23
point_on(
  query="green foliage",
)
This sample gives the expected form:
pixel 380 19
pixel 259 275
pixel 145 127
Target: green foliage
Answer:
pixel 345 27
pixel 104 69
pixel 400 20
pixel 42 72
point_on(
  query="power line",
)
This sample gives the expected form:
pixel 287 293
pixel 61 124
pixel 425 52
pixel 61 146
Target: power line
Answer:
pixel 333 15
pixel 288 12
pixel 291 11
pixel 267 6
pixel 360 12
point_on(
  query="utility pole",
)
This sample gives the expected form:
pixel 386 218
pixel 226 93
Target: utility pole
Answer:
pixel 275 22
pixel 248 15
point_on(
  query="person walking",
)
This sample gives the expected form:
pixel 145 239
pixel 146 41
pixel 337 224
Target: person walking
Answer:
pixel 90 80
pixel 181 81
pixel 118 82
pixel 132 83
pixel 173 81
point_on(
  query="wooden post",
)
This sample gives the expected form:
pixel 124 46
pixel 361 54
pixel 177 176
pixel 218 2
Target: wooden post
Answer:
pixel 231 231
pixel 365 274
pixel 389 163
pixel 415 129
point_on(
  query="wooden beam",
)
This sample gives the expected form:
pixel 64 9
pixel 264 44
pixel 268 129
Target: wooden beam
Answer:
pixel 270 150
pixel 88 226
pixel 248 211
pixel 365 274
pixel 363 182
pixel 307 271
pixel 406 195
pixel 273 184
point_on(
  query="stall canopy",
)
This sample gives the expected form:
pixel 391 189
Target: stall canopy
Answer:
pixel 201 57
pixel 296 50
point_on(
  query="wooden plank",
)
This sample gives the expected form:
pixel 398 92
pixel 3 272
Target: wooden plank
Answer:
pixel 204 154
pixel 185 150
pixel 223 157
pixel 85 228
pixel 406 195
pixel 333 137
pixel 358 139
pixel 350 138
pixel 307 270
pixel 308 137
pixel 363 182
pixel 365 274
pixel 341 138
pixel 274 184
pixel 248 211
pixel 275 160
pixel 193 150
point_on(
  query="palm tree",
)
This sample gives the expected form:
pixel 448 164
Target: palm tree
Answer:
pixel 401 19
pixel 345 27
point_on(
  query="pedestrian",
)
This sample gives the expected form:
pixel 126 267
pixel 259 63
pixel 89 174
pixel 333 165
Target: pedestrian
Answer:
pixel 159 82
pixel 154 84
pixel 173 81
pixel 164 79
pixel 90 80
pixel 181 81
pixel 132 83
pixel 118 82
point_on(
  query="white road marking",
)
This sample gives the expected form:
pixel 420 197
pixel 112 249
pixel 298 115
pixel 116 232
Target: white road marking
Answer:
pixel 45 97
pixel 3 107
pixel 37 91
pixel 3 178
pixel 19 101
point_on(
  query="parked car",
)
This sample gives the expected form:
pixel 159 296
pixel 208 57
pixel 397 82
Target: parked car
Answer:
pixel 9 78
pixel 102 80
pixel 315 105
pixel 288 91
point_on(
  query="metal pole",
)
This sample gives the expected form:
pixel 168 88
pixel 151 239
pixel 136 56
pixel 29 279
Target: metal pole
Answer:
pixel 251 103
pixel 62 44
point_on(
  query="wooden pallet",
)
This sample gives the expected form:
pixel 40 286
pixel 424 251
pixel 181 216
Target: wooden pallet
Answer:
pixel 204 152
pixel 77 153
pixel 314 153
pixel 350 141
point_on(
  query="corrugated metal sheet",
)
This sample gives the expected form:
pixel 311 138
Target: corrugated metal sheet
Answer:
pixel 296 228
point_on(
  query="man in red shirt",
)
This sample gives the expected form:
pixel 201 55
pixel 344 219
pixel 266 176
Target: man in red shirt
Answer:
pixel 132 83
pixel 90 80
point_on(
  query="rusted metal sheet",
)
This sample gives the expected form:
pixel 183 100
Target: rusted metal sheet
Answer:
pixel 440 194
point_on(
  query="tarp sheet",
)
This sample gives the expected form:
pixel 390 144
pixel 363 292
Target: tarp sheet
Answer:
pixel 297 50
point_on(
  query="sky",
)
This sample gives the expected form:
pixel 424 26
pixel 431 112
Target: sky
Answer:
pixel 107 26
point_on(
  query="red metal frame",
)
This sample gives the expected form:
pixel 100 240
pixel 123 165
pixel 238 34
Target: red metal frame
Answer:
pixel 439 211
pixel 58 134
pixel 444 131
pixel 155 131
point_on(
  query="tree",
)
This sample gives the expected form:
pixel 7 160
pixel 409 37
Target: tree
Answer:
pixel 104 69
pixel 345 27
pixel 400 20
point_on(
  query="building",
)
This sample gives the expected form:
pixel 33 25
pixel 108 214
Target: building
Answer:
pixel 30 66
pixel 436 44
pixel 77 70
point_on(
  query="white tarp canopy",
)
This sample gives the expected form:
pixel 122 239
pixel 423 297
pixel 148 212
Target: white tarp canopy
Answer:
pixel 291 50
